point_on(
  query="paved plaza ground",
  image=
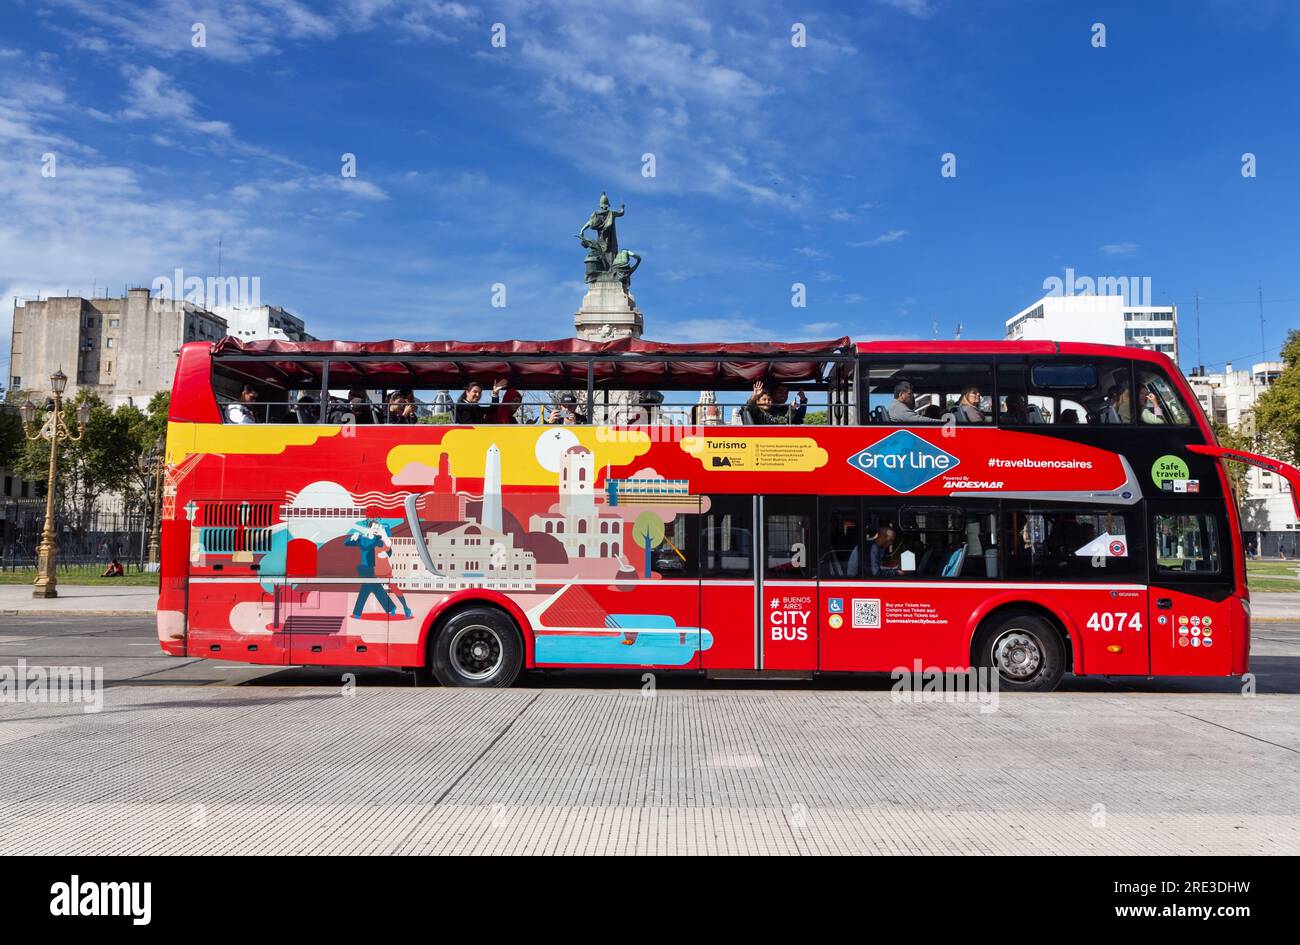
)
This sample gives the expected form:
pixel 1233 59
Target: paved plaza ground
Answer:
pixel 190 756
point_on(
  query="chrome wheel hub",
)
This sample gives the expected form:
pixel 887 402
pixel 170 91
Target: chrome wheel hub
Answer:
pixel 1018 655
pixel 476 652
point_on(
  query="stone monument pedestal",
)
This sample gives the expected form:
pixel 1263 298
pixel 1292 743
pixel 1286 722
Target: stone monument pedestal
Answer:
pixel 608 311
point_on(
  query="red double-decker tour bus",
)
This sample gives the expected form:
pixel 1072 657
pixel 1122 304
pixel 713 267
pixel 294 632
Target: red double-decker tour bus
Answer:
pixel 470 510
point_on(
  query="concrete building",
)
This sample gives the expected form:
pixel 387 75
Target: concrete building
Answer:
pixel 1100 319
pixel 124 349
pixel 1267 511
pixel 262 323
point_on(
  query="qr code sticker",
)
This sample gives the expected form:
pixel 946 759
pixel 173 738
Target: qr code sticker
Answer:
pixel 866 614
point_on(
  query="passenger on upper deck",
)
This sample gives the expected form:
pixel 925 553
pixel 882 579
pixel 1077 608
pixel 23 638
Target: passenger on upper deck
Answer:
pixel 470 407
pixel 759 408
pixel 902 409
pixel 1016 411
pixel 246 410
pixel 566 411
pixel 306 410
pixel 1119 406
pixel 401 407
pixel 794 411
pixel 359 407
pixel 968 406
pixel 1151 412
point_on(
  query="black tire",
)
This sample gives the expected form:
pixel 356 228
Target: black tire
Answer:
pixel 1025 650
pixel 477 648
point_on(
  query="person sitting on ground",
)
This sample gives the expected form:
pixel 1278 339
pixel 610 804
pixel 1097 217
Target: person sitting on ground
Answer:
pixel 566 411
pixel 902 409
pixel 246 410
pixel 968 406
pixel 470 408
pixel 114 569
pixel 759 408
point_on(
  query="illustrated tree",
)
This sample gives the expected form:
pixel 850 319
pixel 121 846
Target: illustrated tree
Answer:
pixel 648 532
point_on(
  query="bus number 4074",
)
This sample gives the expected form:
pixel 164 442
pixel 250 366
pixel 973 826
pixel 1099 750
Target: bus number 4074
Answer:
pixel 1117 620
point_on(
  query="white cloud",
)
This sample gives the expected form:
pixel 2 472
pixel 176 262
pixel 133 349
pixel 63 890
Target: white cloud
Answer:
pixel 812 252
pixel 1119 249
pixel 893 236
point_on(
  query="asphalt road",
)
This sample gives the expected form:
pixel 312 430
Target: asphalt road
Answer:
pixel 192 756
pixel 127 649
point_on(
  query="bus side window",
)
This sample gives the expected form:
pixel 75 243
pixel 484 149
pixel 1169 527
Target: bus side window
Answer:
pixel 1074 544
pixel 841 539
pixel 1186 544
pixel 789 538
pixel 939 389
pixel 726 540
pixel 1065 392
pixel 674 553
pixel 1158 400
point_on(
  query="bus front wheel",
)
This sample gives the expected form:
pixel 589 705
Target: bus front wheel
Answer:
pixel 477 648
pixel 1024 649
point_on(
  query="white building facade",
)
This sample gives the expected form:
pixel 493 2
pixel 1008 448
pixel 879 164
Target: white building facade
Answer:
pixel 1099 319
pixel 1267 509
pixel 263 323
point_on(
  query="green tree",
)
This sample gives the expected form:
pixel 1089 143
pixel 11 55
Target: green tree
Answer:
pixel 101 462
pixel 147 430
pixel 11 436
pixel 1236 439
pixel 1277 412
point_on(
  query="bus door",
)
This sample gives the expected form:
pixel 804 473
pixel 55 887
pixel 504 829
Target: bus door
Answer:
pixel 729 587
pixel 335 612
pixel 1191 597
pixel 787 583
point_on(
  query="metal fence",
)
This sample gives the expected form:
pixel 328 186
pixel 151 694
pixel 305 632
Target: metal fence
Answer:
pixel 121 535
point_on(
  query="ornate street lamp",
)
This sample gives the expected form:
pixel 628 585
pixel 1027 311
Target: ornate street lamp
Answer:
pixel 156 457
pixel 52 431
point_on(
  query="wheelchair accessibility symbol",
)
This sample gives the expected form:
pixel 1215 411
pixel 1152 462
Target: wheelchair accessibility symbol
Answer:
pixel 835 605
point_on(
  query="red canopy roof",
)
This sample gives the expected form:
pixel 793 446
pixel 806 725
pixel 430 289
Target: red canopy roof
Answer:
pixel 622 362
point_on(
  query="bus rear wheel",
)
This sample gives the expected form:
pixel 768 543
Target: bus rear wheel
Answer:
pixel 1025 650
pixel 476 648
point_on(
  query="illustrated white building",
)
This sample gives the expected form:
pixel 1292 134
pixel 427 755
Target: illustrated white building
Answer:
pixel 1267 510
pixel 1099 319
pixel 585 529
pixel 465 554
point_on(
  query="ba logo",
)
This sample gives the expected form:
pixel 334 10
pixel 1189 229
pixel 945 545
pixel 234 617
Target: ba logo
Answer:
pixel 722 461
pixel 903 461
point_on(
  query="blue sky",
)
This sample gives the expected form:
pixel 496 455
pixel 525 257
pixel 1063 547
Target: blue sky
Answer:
pixel 774 164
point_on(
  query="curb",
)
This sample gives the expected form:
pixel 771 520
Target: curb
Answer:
pixel 76 613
